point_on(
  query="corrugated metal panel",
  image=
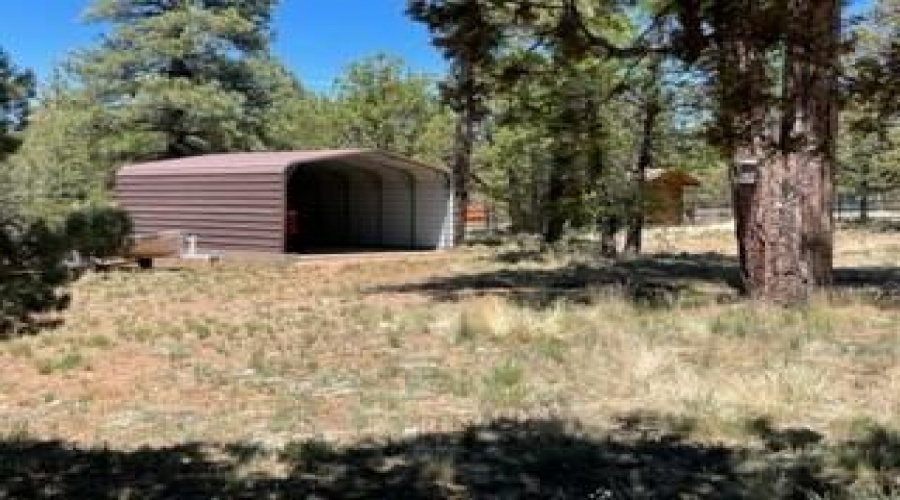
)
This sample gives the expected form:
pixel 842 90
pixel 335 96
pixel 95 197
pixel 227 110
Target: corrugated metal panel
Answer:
pixel 241 211
pixel 270 163
pixel 433 197
pixel 225 182
pixel 237 163
pixel 204 205
pixel 396 210
pixel 448 232
pixel 261 231
pixel 231 244
pixel 236 201
pixel 204 218
pixel 173 210
pixel 138 194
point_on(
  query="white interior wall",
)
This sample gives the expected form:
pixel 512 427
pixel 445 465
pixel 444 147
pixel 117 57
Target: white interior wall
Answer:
pixel 381 204
pixel 396 206
pixel 434 221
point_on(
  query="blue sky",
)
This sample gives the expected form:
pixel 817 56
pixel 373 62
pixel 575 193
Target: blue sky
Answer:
pixel 316 38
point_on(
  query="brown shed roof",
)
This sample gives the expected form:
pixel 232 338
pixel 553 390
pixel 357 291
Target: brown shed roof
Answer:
pixel 270 163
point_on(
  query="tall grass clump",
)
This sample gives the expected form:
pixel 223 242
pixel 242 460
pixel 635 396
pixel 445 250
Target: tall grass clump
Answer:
pixel 504 385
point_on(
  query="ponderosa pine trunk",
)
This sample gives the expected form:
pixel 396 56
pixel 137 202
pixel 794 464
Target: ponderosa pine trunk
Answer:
pixel 518 214
pixel 634 236
pixel 462 149
pixel 556 212
pixel 608 227
pixel 652 108
pixel 864 201
pixel 607 220
pixel 783 219
pixel 464 140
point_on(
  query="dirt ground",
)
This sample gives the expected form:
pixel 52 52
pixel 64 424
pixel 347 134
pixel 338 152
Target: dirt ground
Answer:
pixel 492 369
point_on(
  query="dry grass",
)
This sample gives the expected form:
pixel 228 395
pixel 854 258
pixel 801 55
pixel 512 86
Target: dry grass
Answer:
pixel 276 353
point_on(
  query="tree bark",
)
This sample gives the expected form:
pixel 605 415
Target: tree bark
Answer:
pixel 652 109
pixel 556 212
pixel 634 236
pixel 464 140
pixel 515 201
pixel 783 219
pixel 607 219
pixel 864 202
pixel 608 226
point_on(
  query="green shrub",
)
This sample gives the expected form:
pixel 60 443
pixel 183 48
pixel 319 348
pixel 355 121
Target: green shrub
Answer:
pixel 99 231
pixel 31 271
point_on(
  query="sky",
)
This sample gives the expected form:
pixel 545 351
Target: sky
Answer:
pixel 317 39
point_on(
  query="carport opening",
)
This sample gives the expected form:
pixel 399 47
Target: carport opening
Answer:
pixel 334 207
pixel 317 210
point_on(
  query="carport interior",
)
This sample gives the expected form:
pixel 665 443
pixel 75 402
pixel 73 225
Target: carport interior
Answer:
pixel 335 206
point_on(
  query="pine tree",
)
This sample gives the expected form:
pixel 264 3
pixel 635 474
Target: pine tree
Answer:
pixel 16 88
pixel 31 272
pixel 181 77
pixel 382 105
pixel 63 162
pixel 870 139
pixel 463 31
pixel 774 67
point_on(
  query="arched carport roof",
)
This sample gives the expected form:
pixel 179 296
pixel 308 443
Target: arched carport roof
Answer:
pixel 277 163
pixel 239 200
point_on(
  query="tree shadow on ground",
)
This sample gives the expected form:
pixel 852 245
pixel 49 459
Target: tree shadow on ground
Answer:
pixel 30 327
pixel 638 459
pixel 883 283
pixel 654 280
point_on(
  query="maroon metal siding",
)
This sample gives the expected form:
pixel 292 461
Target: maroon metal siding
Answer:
pixel 226 211
pixel 237 201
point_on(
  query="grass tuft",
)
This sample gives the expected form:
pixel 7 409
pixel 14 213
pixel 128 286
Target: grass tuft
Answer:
pixel 68 361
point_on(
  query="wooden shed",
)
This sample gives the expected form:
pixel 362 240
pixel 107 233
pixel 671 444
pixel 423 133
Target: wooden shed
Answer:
pixel 664 196
pixel 292 202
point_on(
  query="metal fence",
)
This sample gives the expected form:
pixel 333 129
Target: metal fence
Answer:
pixel 876 208
pixel 487 219
pixel 881 208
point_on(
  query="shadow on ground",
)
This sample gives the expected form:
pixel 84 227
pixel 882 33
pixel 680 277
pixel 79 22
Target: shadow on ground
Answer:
pixel 657 280
pixel 884 281
pixel 504 459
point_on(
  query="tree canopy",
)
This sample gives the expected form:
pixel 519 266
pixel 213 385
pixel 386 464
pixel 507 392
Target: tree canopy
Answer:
pixel 182 77
pixel 16 88
pixel 870 133
pixel 770 68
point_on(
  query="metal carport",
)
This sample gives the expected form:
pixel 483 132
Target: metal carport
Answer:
pixel 262 201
